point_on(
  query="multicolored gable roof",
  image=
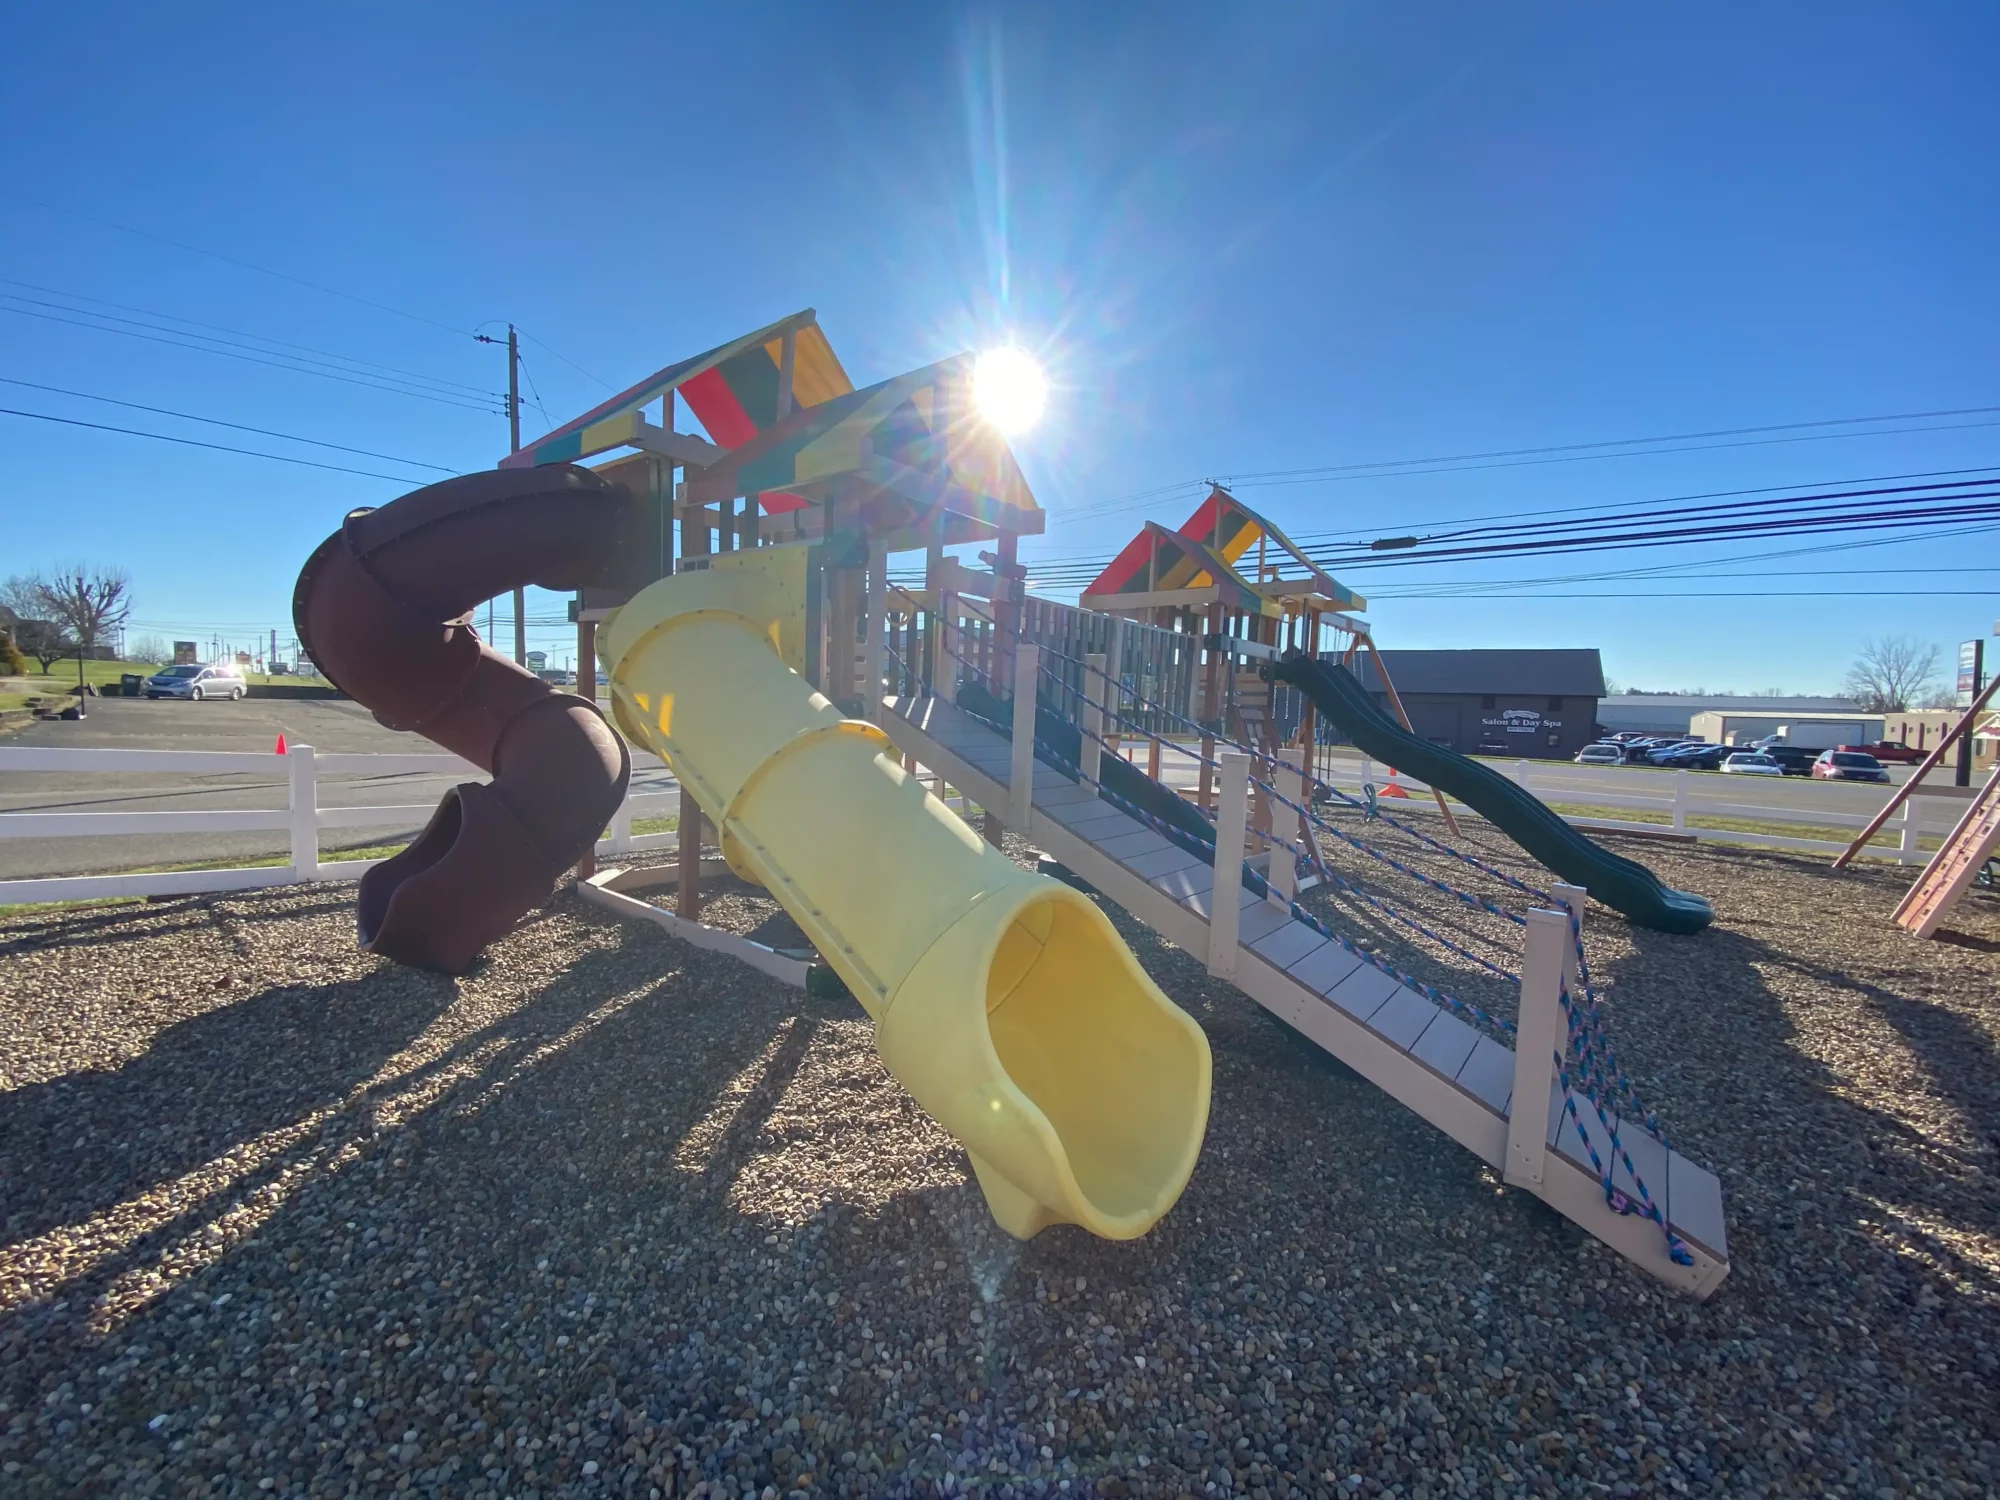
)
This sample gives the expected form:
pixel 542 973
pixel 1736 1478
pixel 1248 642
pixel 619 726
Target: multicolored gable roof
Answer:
pixel 906 448
pixel 732 391
pixel 1203 552
pixel 1169 560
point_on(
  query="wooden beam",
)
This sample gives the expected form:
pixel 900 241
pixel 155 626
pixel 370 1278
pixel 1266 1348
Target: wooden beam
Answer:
pixel 586 684
pixel 788 354
pixel 681 447
pixel 694 545
pixel 1231 820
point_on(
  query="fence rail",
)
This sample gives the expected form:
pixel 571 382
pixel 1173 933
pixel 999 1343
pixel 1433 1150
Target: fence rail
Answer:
pixel 302 817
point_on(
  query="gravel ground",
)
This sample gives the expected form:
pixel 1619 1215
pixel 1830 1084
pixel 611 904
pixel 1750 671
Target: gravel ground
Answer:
pixel 614 1216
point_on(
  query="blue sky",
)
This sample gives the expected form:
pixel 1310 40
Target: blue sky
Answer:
pixel 1245 239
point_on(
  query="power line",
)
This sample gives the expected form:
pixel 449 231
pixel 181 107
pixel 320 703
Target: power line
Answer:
pixel 1561 453
pixel 366 364
pixel 1720 509
pixel 228 351
pixel 565 359
pixel 289 437
pixel 1674 437
pixel 1572 510
pixel 1853 521
pixel 1718 594
pixel 1331 555
pixel 246 265
pixel 162 437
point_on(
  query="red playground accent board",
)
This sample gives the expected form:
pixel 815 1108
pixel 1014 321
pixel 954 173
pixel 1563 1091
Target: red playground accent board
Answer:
pixel 1953 867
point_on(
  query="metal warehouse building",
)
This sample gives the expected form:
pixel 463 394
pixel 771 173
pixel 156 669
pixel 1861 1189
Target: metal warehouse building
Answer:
pixel 1673 713
pixel 1527 703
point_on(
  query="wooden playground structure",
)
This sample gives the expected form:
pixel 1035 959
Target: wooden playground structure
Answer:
pixel 821 484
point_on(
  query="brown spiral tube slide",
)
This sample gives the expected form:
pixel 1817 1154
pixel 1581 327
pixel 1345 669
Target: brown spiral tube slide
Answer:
pixel 382 607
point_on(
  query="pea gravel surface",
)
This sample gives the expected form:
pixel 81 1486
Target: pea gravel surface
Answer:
pixel 614 1216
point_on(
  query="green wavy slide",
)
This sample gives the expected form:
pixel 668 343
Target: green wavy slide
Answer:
pixel 1622 884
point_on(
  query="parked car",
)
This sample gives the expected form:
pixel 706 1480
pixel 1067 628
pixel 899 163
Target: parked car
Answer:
pixel 1849 765
pixel 1702 758
pixel 1665 754
pixel 1791 759
pixel 1884 750
pixel 1600 755
pixel 1751 763
pixel 1676 756
pixel 196 683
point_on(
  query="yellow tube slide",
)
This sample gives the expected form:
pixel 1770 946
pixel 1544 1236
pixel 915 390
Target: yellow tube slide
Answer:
pixel 1004 1002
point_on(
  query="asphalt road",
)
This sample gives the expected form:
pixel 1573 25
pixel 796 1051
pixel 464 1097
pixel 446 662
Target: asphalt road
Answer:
pixel 253 725
pixel 337 725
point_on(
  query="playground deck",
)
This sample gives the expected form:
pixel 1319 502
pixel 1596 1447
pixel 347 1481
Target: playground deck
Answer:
pixel 1452 1075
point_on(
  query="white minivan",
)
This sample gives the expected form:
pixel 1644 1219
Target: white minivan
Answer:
pixel 1601 755
pixel 197 683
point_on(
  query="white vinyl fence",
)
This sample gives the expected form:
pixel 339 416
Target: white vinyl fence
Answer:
pixel 302 817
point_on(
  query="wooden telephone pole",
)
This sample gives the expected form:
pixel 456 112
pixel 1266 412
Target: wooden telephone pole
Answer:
pixel 514 446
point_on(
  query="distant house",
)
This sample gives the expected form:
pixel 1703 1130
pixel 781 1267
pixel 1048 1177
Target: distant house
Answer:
pixel 1533 703
pixel 30 635
pixel 1671 713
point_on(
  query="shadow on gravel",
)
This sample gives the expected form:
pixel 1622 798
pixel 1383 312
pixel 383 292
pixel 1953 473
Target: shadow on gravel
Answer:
pixel 550 1075
pixel 1803 1164
pixel 75 1146
pixel 90 927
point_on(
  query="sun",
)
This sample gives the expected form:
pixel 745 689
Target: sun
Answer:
pixel 1009 387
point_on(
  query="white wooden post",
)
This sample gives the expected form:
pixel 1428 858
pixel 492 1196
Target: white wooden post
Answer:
pixel 621 826
pixel 1907 850
pixel 944 675
pixel 304 803
pixel 1290 781
pixel 1232 816
pixel 1572 898
pixel 1539 1034
pixel 1021 766
pixel 1114 690
pixel 1521 772
pixel 1680 800
pixel 1092 718
pixel 875 632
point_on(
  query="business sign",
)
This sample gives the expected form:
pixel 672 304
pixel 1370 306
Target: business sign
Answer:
pixel 1520 721
pixel 537 660
pixel 185 653
pixel 1971 674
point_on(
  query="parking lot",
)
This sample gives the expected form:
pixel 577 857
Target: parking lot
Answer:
pixel 253 724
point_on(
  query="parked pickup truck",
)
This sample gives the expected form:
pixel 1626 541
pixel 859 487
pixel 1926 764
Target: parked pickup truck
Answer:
pixel 1884 750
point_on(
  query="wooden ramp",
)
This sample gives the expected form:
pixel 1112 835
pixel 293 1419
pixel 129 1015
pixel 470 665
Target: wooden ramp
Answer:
pixel 1956 864
pixel 1458 1079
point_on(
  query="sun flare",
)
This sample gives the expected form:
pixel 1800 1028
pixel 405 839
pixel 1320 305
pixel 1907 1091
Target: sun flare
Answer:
pixel 1010 389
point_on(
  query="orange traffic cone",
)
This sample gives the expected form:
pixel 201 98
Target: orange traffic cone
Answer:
pixel 1392 789
pixel 281 746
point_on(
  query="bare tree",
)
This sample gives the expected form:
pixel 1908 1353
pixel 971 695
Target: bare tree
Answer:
pixel 1891 673
pixel 22 593
pixel 150 648
pixel 89 603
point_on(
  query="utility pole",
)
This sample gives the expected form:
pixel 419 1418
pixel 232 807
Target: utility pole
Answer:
pixel 514 446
